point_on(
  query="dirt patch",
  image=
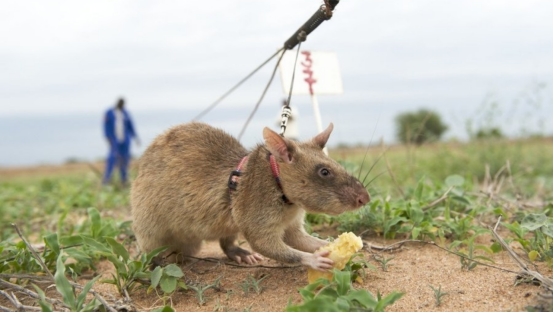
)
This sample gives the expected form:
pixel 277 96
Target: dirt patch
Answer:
pixel 414 269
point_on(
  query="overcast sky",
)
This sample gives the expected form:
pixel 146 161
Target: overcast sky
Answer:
pixel 64 57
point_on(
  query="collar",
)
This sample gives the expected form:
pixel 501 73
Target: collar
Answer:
pixel 235 174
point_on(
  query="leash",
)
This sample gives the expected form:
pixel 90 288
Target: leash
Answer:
pixel 324 12
pixel 287 112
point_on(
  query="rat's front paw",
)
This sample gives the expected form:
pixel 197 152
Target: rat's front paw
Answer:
pixel 319 261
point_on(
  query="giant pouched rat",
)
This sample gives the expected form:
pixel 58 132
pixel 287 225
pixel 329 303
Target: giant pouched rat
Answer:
pixel 191 188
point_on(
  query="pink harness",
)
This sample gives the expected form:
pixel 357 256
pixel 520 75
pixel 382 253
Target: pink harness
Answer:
pixel 234 177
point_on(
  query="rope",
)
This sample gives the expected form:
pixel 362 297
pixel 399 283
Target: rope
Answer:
pixel 287 112
pixel 261 97
pixel 325 12
pixel 199 116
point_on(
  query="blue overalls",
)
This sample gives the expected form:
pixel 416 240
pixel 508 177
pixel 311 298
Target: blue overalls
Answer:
pixel 119 150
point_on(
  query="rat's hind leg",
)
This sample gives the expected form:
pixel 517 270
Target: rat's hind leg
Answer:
pixel 179 251
pixel 236 253
pixel 185 248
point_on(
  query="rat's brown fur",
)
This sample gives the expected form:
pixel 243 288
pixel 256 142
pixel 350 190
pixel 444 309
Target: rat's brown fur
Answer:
pixel 181 197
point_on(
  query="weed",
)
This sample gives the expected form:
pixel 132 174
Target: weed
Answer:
pixel 167 278
pixel 75 302
pixel 356 267
pixel 338 295
pixel 468 251
pixel 383 261
pixel 539 245
pixel 200 289
pixel 252 284
pixel 438 295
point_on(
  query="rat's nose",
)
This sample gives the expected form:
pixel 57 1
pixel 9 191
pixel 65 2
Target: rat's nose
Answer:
pixel 363 198
pixel 361 194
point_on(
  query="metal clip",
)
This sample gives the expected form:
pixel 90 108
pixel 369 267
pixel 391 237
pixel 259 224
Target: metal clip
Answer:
pixel 287 112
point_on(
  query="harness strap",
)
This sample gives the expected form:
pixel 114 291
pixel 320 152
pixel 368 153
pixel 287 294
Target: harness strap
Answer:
pixel 275 170
pixel 234 177
pixel 235 174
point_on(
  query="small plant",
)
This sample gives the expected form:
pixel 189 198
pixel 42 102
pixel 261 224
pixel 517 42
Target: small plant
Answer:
pixel 468 254
pixel 251 283
pixel 338 295
pixel 438 294
pixel 127 271
pixel 356 266
pixel 383 261
pixel 538 246
pixel 167 278
pixel 200 289
pixel 75 302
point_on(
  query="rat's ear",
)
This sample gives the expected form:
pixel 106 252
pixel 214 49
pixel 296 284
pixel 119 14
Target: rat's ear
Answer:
pixel 277 145
pixel 321 139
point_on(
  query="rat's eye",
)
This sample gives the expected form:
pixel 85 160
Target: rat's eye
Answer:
pixel 323 172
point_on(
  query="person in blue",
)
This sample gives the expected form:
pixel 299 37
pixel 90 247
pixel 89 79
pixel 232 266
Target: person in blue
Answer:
pixel 119 130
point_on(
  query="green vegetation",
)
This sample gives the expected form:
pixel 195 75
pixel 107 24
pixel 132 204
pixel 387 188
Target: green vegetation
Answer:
pixel 338 295
pixel 448 193
pixel 438 294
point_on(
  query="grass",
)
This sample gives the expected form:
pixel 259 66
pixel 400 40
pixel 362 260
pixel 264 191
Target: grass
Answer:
pixel 452 191
pixel 448 193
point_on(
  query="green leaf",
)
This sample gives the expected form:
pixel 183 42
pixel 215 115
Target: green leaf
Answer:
pixel 454 181
pixel 388 300
pixel 95 221
pixel 415 232
pixel 166 308
pixel 62 284
pixel 154 253
pixel 51 241
pixel 155 276
pixel 99 247
pixel 77 254
pixel 182 285
pixel 480 257
pixel 306 294
pixel 82 296
pixel 547 229
pixel 533 255
pixel 463 200
pixel 343 281
pixel 173 270
pixel 416 215
pixel 483 248
pixel 364 297
pixel 534 221
pixel 71 240
pixel 168 284
pixel 496 247
pixel 92 306
pixel 118 248
pixel 45 306
pixel 319 304
pixel 342 304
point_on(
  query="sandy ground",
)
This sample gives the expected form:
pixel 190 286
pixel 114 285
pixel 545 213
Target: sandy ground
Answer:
pixel 413 270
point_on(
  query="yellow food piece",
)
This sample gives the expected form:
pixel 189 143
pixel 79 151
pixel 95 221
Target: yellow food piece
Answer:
pixel 341 250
